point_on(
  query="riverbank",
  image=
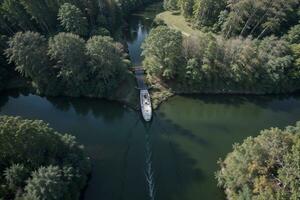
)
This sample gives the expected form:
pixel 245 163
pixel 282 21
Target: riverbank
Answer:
pixel 126 93
pixel 211 64
pixel 185 131
pixel 162 91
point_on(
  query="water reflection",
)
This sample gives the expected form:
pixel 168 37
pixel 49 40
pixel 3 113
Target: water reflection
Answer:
pixel 177 153
pixel 187 136
pixel 84 106
pixel 138 27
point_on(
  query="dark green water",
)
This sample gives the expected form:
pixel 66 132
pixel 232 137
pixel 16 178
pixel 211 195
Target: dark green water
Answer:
pixel 183 142
pixel 174 157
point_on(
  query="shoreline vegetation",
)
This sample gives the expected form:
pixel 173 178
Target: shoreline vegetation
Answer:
pixel 54 48
pixel 215 59
pixel 59 53
pixel 198 72
pixel 263 167
pixel 39 163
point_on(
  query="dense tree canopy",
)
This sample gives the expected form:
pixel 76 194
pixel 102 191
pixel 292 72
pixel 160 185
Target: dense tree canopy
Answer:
pixel 67 65
pixel 72 19
pixel 206 11
pixel 68 53
pixel 28 51
pixel 258 18
pixel 254 47
pixel 264 167
pixel 78 16
pixel 208 63
pixel 47 44
pixel 105 73
pixel 162 51
pixel 32 152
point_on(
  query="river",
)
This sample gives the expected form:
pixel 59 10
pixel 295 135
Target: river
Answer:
pixel 172 158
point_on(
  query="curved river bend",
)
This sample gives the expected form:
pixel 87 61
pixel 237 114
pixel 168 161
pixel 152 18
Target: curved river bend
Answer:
pixel 174 157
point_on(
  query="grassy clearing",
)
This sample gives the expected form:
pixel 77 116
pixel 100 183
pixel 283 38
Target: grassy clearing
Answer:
pixel 177 22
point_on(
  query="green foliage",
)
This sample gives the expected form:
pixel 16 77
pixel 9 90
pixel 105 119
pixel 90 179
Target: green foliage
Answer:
pixel 257 18
pixel 15 177
pixel 296 55
pixel 105 73
pixel 207 63
pixel 206 12
pixel 187 8
pixel 46 184
pixel 28 45
pixel 171 5
pixel 15 14
pixel 162 51
pixel 68 65
pixel 28 51
pixel 72 19
pixel 264 167
pixel 100 31
pixel 128 6
pixel 293 35
pixel 60 65
pixel 77 16
pixel 49 165
pixel 67 50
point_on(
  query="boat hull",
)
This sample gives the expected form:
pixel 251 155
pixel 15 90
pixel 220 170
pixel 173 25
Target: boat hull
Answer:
pixel 146 107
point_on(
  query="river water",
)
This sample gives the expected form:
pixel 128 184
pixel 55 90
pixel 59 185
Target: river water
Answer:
pixel 172 158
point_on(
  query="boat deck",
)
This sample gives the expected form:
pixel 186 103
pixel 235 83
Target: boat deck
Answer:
pixel 145 100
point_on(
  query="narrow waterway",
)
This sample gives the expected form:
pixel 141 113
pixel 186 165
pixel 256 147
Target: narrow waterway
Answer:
pixel 172 158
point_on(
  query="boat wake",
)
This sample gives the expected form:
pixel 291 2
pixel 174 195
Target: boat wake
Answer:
pixel 149 172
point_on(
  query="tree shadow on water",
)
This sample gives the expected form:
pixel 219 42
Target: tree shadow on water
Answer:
pixel 274 102
pixel 175 169
pixel 168 126
pixel 5 95
pixel 99 108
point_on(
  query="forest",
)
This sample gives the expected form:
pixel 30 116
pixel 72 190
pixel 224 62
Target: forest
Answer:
pixel 243 46
pixel 74 48
pixel 64 47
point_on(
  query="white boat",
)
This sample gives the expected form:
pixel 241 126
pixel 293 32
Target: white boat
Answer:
pixel 146 105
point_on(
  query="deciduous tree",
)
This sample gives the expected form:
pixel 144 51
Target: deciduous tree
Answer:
pixel 162 51
pixel 72 19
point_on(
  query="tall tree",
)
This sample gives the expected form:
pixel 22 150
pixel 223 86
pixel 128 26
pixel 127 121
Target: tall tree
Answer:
pixel 264 167
pixel 206 12
pixel 257 17
pixel 49 165
pixel 14 12
pixel 162 51
pixel 72 19
pixel 187 7
pixel 28 51
pixel 67 51
pixel 171 5
pixel 105 73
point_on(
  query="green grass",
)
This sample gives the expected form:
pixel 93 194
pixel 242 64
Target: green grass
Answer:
pixel 178 22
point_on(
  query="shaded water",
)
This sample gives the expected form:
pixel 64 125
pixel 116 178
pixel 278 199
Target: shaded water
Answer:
pixel 183 142
pixel 173 157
